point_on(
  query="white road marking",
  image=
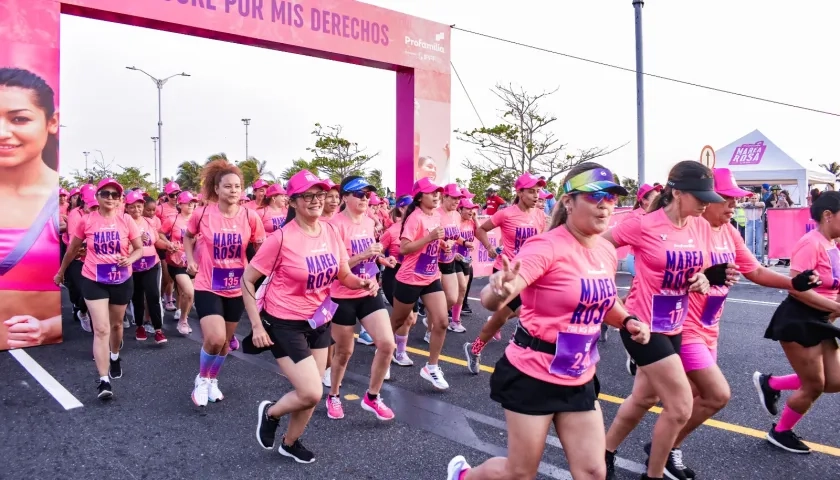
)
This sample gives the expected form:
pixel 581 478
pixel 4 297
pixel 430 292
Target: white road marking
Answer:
pixel 50 384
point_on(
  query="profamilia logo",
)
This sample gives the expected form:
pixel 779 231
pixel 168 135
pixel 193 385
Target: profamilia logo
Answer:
pixel 419 43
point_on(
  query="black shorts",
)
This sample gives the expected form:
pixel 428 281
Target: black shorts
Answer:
pixel 446 268
pixel 119 294
pixel 409 294
pixel 660 346
pixel 162 255
pixel 524 394
pixel 463 267
pixel 295 338
pixel 514 302
pixel 229 308
pixel 351 309
pixel 796 322
pixel 175 271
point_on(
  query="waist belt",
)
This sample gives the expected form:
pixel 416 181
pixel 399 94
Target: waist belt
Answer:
pixel 522 338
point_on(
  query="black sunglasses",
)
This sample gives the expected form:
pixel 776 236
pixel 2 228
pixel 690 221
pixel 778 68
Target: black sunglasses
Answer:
pixel 174 195
pixel 112 194
pixel 361 194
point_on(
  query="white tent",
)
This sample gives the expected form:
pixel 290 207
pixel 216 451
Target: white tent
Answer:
pixel 754 160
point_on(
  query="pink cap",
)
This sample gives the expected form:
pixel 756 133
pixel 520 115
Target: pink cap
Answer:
pixel 467 203
pixel 186 197
pixel 62 192
pixel 425 185
pixel 332 185
pixel 303 181
pixel 171 187
pixel 74 191
pixel 106 182
pixel 90 199
pixel 245 197
pixel 134 197
pixel 276 189
pixel 260 183
pixel 726 185
pixel 452 190
pixel 88 187
pixel 528 180
pixel 467 193
pixel 374 199
pixel 546 195
pixel 645 189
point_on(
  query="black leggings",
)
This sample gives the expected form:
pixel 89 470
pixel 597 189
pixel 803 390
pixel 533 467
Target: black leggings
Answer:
pixel 147 287
pixel 73 281
pixel 469 284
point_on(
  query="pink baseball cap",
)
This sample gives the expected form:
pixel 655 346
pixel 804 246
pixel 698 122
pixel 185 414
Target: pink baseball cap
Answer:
pixel 74 191
pixel 62 192
pixel 171 187
pixel 332 185
pixel 726 185
pixel 645 189
pixel 467 193
pixel 105 182
pixel 90 199
pixel 467 203
pixel 528 180
pixel 245 197
pixel 303 181
pixel 88 187
pixel 425 185
pixel 260 183
pixel 546 195
pixel 276 189
pixel 452 190
pixel 186 197
pixel 134 197
pixel 374 199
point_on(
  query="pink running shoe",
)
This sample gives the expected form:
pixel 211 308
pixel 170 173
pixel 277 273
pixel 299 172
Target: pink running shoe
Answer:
pixel 234 343
pixel 377 407
pixel 334 408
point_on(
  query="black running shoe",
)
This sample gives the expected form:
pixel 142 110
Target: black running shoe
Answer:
pixel 105 392
pixel 609 458
pixel 116 369
pixel 266 426
pixel 787 440
pixel 296 451
pixel 768 395
pixel 466 308
pixel 675 469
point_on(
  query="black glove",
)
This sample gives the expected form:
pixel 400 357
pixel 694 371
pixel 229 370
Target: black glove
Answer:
pixel 802 282
pixel 716 274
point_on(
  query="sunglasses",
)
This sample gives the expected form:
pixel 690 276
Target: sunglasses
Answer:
pixel 112 194
pixel 361 194
pixel 309 197
pixel 598 197
pixel 174 195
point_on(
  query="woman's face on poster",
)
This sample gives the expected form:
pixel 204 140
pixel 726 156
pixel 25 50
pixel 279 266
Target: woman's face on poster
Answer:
pixel 426 168
pixel 24 127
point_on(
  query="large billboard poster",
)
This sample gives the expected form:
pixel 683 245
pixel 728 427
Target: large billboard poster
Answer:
pixel 30 303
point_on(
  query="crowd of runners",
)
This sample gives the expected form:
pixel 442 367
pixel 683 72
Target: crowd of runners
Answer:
pixel 305 261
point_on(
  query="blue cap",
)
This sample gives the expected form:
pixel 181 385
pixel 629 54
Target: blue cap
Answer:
pixel 404 201
pixel 765 186
pixel 357 185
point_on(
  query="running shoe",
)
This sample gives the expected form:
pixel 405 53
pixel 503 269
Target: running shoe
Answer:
pixel 377 407
pixel 421 309
pixel 327 380
pixel 427 337
pixel 177 315
pixel 767 395
pixel 364 338
pixel 213 393
pixel 234 343
pixel 630 364
pixel 160 337
pixel 609 458
pixel 266 426
pixel 787 440
pixel 473 360
pixel 425 322
pixel 465 308
pixel 105 391
pixel 456 466
pixel 126 322
pixel 456 327
pixel 402 359
pixel 150 330
pixel 140 334
pixel 334 408
pixel 184 327
pixel 169 306
pixel 201 391
pixel 296 451
pixel 675 469
pixel 435 378
pixel 498 335
pixel 115 370
pixel 84 320
pixel 388 373
pixel 605 332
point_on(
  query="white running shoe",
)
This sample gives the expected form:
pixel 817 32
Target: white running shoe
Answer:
pixel 184 328
pixel 402 359
pixel 149 328
pixel 84 319
pixel 126 322
pixel 456 327
pixel 213 392
pixel 427 337
pixel 201 392
pixel 327 380
pixel 388 374
pixel 178 314
pixel 456 466
pixel 435 378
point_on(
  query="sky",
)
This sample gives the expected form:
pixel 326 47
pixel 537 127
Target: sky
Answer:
pixel 761 48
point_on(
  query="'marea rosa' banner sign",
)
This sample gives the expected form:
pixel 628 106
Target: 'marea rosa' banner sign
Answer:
pixel 785 227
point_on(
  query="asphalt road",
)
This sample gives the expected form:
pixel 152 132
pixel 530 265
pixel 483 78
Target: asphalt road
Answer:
pixel 151 430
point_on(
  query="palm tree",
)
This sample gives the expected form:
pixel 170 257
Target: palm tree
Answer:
pixel 298 165
pixel 833 167
pixel 632 187
pixel 217 156
pixel 252 169
pixel 189 176
pixel 374 177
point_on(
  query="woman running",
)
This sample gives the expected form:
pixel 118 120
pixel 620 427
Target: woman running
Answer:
pixel 166 212
pixel 107 284
pixel 176 260
pixel 566 279
pixel 146 270
pixel 463 259
pixel 260 188
pixel 215 247
pixel 672 246
pixel 273 209
pixel 301 260
pixel 421 239
pixel 331 202
pixel 465 306
pixel 84 205
pixel 355 229
pixel 390 241
pixel 802 324
pixel 518 223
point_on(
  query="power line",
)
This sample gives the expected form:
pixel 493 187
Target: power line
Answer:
pixel 660 77
pixel 468 93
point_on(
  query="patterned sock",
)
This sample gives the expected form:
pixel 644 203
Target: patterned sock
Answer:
pixel 478 346
pixel 401 340
pixel 205 363
pixel 785 382
pixel 216 366
pixel 788 420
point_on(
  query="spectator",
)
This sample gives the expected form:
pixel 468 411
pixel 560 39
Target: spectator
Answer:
pixel 494 201
pixel 765 193
pixel 815 192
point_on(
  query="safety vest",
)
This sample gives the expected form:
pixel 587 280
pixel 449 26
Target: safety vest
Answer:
pixel 740 217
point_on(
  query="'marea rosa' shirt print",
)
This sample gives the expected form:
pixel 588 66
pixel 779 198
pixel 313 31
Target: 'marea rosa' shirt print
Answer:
pixel 227 246
pixel 520 235
pixel 681 265
pixel 107 242
pixel 322 270
pixel 597 296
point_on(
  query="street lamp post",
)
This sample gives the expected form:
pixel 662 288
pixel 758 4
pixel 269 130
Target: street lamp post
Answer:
pixel 246 121
pixel 159 83
pixel 154 141
pixel 86 161
pixel 640 92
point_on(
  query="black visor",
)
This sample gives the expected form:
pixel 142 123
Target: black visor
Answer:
pixel 703 189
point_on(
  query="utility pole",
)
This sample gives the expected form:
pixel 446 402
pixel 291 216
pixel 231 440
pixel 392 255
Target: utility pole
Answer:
pixel 86 161
pixel 640 92
pixel 246 121
pixel 154 141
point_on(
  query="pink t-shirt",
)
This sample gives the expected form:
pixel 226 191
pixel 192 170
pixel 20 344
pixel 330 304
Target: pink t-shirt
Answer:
pixel 451 224
pixel 570 290
pixel 702 325
pixel 107 240
pixel 515 227
pixel 814 252
pixel 467 228
pixel 272 219
pixel 666 257
pixel 73 218
pixel 304 267
pixel 149 228
pixel 221 248
pixel 176 235
pixel 251 205
pixel 390 241
pixel 636 212
pixel 165 210
pixel 420 267
pixel 357 237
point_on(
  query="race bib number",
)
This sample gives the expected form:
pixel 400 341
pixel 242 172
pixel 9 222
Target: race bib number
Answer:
pixel 224 279
pixel 365 270
pixel 144 263
pixel 323 314
pixel 575 354
pixel 668 312
pixel 427 265
pixel 111 274
pixel 713 310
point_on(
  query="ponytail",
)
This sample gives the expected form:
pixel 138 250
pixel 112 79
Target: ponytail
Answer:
pixel 408 211
pixel 290 214
pixel 516 199
pixel 663 200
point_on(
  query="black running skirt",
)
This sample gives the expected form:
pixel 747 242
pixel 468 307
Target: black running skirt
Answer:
pixel 796 322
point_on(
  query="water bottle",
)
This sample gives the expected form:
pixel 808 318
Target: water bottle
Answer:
pixel 499 250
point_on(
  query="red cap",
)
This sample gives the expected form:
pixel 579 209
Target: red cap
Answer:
pixel 528 180
pixel 425 185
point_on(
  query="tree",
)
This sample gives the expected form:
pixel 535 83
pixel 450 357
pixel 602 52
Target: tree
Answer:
pixel 522 142
pixel 478 183
pixel 337 157
pixel 833 167
pixel 65 183
pixel 132 177
pixel 374 177
pixel 632 187
pixel 252 169
pixel 298 165
pixel 188 176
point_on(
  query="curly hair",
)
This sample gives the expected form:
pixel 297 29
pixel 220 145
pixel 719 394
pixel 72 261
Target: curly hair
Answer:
pixel 212 174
